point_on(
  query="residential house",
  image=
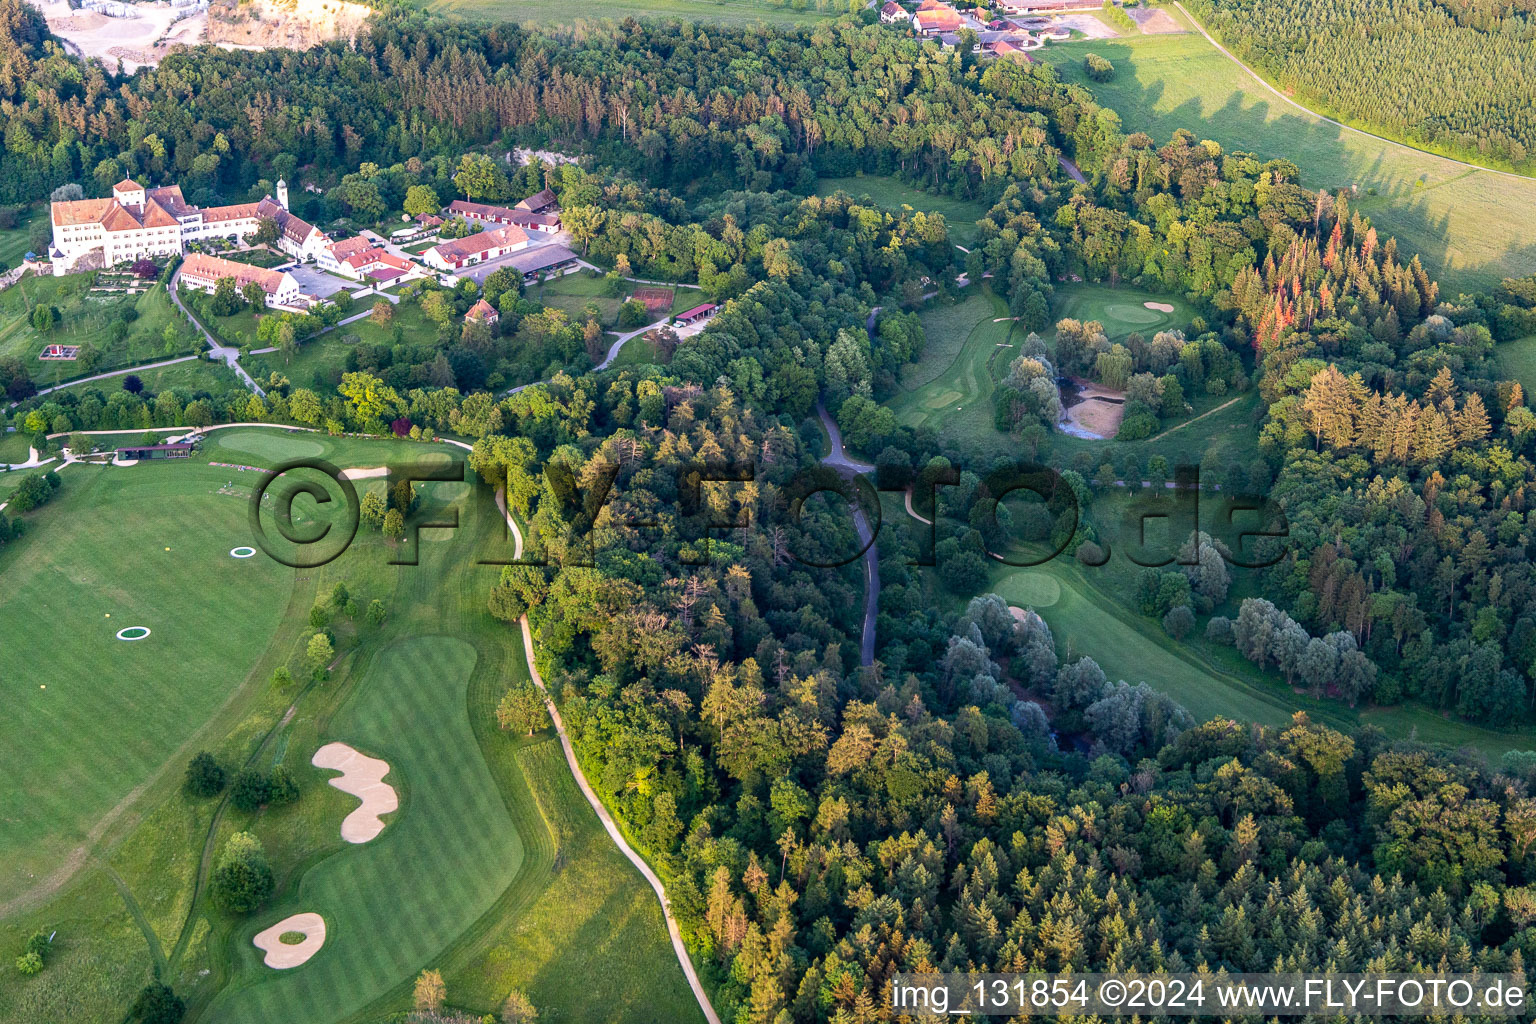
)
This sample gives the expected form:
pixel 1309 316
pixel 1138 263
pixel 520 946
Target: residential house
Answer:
pixel 934 19
pixel 483 312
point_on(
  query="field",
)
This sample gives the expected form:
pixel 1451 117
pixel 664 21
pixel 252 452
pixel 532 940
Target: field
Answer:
pixel 192 375
pixel 319 362
pixel 890 194
pixel 550 12
pixel 493 870
pixel 637 351
pixel 1517 359
pixel 92 717
pixel 573 293
pixel 86 318
pixel 950 387
pixel 1471 227
pixel 15 243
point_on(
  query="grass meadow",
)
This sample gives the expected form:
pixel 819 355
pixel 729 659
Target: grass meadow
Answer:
pixel 1471 227
pixel 1517 359
pixel 92 717
pixel 319 362
pixel 890 193
pixel 493 870
pixel 16 242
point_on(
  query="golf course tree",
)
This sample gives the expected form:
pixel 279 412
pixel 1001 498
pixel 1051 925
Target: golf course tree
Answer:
pixel 205 776
pixel 250 789
pixel 242 880
pixel 156 1003
pixel 521 710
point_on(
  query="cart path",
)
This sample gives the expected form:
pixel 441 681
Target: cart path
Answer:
pixel 612 829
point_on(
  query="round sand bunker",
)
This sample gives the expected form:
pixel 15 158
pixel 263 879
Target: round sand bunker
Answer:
pixel 282 955
pixel 363 777
pixel 1161 307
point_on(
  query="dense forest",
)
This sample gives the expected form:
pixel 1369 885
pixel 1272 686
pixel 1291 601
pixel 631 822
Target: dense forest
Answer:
pixel 976 798
pixel 1455 77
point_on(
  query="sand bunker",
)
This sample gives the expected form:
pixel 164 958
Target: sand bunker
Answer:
pixel 283 956
pixel 363 777
pixel 1161 307
pixel 365 474
pixel 1094 412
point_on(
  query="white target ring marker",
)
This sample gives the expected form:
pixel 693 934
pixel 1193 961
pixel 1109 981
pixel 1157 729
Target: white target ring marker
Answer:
pixel 142 631
pixel 242 552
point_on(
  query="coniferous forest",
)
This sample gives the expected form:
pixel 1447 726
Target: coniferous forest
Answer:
pixel 1455 77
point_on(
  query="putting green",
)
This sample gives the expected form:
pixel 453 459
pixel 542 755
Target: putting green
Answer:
pixel 1134 314
pixel 1121 310
pixel 269 444
pixel 943 399
pixel 1030 589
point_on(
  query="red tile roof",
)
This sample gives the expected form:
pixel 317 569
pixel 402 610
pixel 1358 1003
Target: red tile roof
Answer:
pixel 203 267
pixel 482 211
pixel 473 245
pixel 350 247
pixel 937 19
pixel 80 211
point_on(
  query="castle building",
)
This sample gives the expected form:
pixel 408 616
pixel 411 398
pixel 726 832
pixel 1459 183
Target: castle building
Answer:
pixel 145 223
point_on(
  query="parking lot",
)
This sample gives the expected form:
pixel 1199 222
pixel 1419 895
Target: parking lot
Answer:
pixel 314 281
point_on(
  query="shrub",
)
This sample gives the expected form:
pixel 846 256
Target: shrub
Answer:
pixel 1096 67
pixel 29 964
pixel 633 314
pixel 205 776
pixel 1179 621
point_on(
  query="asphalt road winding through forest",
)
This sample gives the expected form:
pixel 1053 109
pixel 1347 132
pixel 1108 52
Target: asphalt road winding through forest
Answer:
pixel 849 468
